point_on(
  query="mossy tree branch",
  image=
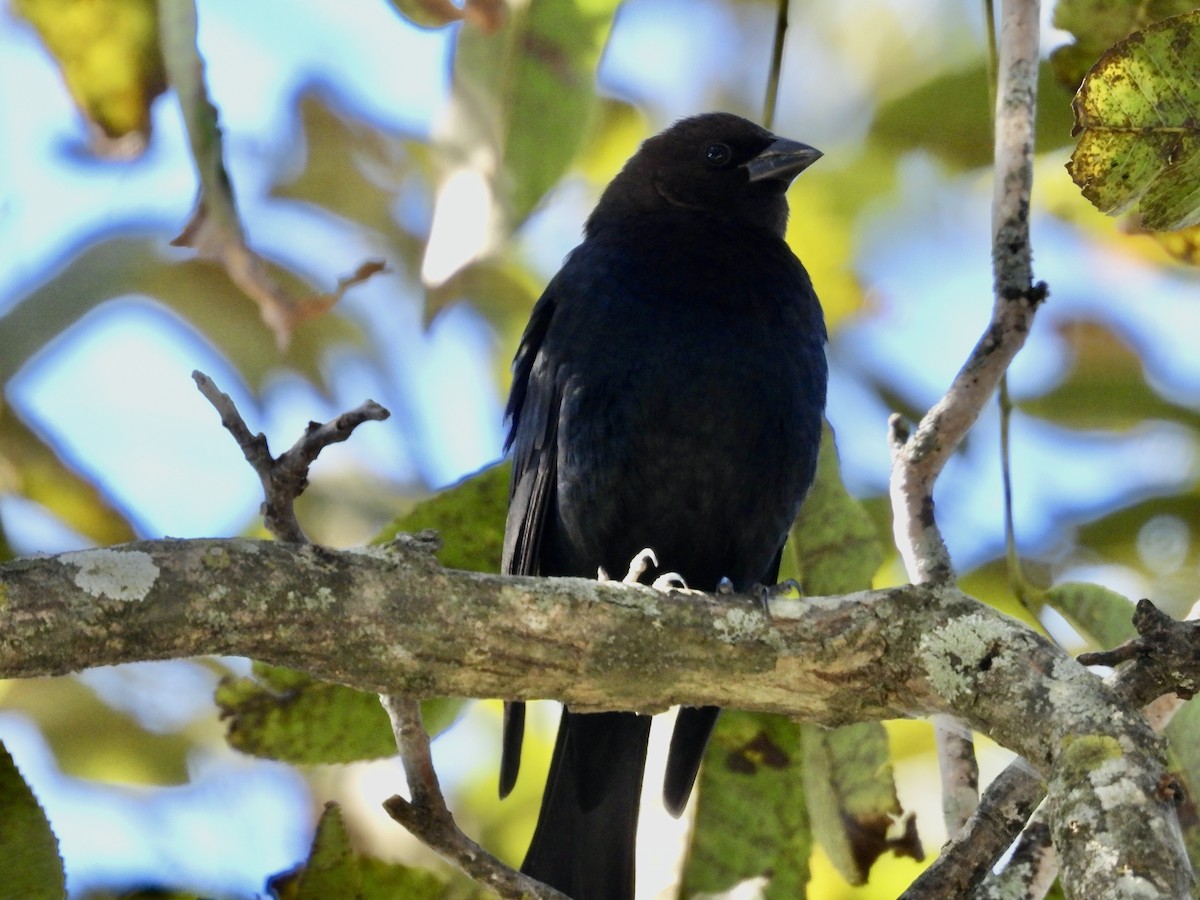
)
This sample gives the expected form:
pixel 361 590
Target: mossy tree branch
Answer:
pixel 391 619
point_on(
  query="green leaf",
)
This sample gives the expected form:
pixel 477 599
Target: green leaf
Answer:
pixel 118 748
pixel 991 583
pixel 1182 244
pixel 352 168
pixel 500 289
pixel 751 821
pixel 468 516
pixel 109 55
pixel 851 794
pixel 32 468
pixel 1138 117
pixel 28 849
pixel 100 270
pixel 330 870
pixel 852 799
pixel 1098 24
pixel 1102 616
pixel 428 13
pixel 833 547
pixel 215 228
pixel 527 91
pixel 334 869
pixel 287 715
pixel 951 116
pixel 1113 537
pixel 1183 752
pixel 1105 387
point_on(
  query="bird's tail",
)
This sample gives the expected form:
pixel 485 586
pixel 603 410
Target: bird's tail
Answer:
pixel 587 828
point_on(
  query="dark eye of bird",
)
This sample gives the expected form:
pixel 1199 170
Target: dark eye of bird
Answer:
pixel 717 154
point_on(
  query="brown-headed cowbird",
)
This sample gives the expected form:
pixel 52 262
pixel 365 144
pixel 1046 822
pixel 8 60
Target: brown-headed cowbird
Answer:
pixel 667 394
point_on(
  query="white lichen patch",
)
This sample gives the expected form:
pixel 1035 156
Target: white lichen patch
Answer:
pixel 1132 887
pixel 113 574
pixel 735 624
pixel 324 599
pixel 962 648
pixel 1073 691
pixel 787 608
pixel 1112 785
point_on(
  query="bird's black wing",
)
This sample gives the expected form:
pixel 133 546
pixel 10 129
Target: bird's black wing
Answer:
pixel 533 416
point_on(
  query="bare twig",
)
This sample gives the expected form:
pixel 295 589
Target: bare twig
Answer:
pixel 771 100
pixel 958 769
pixel 1031 870
pixel 215 228
pixel 918 458
pixel 970 854
pixel 284 479
pixel 427 816
pixel 1165 652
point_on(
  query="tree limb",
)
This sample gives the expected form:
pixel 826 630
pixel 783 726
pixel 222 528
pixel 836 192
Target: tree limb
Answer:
pixel 1160 675
pixel 391 619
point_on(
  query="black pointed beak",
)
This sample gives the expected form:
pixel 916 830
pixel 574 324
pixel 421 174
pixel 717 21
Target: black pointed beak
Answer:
pixel 782 161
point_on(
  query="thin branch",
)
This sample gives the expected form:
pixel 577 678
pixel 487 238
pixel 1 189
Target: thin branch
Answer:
pixel 919 457
pixel 413 741
pixel 428 817
pixel 1016 577
pixel 1031 870
pixel 970 854
pixel 959 771
pixel 1154 654
pixel 215 228
pixel 284 479
pixel 771 101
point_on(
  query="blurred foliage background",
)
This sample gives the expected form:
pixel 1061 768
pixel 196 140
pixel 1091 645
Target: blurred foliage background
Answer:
pixel 462 145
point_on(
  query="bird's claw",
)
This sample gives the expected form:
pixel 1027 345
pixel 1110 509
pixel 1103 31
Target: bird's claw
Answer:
pixel 639 564
pixel 644 560
pixel 669 581
pixel 789 590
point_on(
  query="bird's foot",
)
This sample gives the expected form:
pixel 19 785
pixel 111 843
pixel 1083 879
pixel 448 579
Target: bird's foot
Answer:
pixel 784 590
pixel 642 561
pixel 637 568
pixel 671 581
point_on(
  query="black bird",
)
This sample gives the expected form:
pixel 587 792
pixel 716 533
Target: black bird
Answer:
pixel 667 394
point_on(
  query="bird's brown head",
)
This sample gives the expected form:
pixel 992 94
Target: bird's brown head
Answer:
pixel 718 164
